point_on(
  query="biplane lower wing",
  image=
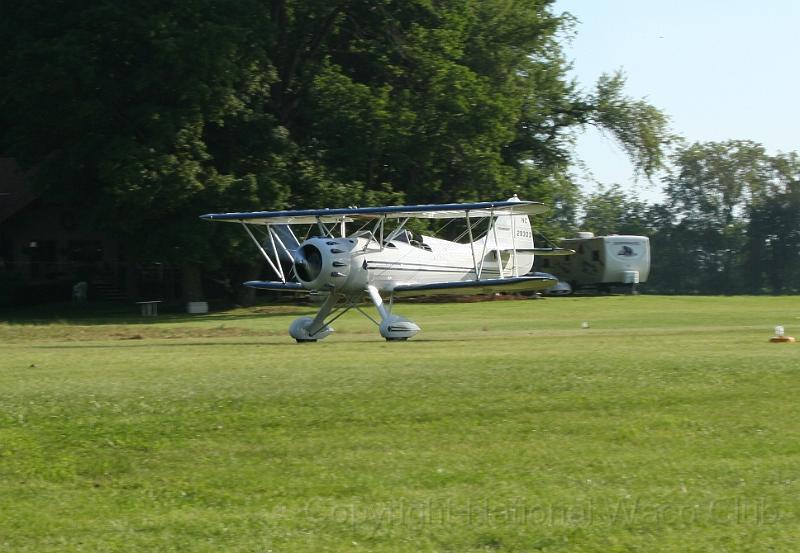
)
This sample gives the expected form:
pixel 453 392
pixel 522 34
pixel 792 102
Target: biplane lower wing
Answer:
pixel 276 286
pixel 485 286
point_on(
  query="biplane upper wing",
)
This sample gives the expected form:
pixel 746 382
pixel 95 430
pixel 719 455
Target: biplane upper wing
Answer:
pixel 528 283
pixel 429 211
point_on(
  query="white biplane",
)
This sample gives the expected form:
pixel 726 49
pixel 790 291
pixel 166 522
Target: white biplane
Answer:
pixel 383 258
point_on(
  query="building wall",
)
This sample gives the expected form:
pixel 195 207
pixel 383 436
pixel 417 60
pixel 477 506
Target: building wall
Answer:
pixel 42 243
pixel 48 248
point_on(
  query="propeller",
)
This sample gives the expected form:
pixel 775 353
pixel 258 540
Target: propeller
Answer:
pixel 307 262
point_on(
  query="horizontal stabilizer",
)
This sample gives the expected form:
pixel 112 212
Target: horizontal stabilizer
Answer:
pixel 484 286
pixel 276 286
pixel 544 251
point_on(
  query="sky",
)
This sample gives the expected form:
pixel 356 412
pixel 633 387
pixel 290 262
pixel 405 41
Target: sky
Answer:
pixel 720 69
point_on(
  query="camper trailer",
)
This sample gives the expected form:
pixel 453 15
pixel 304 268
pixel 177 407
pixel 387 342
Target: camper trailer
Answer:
pixel 603 263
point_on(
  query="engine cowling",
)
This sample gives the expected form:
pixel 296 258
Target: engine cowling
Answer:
pixel 331 264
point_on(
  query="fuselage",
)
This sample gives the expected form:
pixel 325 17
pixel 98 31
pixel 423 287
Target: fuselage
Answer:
pixel 349 264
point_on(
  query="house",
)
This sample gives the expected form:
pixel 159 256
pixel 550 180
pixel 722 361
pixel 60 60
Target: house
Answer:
pixel 45 250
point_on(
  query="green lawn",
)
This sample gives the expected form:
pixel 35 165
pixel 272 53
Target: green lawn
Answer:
pixel 671 424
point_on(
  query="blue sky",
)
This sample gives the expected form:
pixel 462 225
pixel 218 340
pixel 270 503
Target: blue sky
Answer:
pixel 720 69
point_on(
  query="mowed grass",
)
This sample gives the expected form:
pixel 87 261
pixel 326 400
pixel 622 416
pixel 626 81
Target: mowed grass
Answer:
pixel 670 424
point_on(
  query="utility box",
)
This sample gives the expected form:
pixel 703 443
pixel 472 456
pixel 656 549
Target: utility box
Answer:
pixel 197 307
pixel 604 263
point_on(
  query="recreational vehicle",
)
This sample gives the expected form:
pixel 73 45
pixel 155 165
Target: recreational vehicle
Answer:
pixel 604 263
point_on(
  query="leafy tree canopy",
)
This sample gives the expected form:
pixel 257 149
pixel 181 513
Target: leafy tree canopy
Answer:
pixel 612 211
pixel 149 114
pixel 729 223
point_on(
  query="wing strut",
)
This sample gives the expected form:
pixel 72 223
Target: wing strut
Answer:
pixel 264 253
pixel 472 246
pixel 286 250
pixel 497 245
pixel 514 268
pixel 483 252
pixel 275 249
pixel 323 231
pixel 326 232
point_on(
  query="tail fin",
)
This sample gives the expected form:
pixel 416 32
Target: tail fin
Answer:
pixel 509 233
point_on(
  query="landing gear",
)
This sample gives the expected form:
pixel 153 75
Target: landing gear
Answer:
pixel 306 329
pixel 393 328
pixel 301 330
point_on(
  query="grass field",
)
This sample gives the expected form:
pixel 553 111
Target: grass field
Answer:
pixel 671 424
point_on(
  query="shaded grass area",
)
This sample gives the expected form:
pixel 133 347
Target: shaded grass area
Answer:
pixel 668 425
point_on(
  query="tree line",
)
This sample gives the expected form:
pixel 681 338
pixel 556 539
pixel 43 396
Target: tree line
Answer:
pixel 146 115
pixel 729 222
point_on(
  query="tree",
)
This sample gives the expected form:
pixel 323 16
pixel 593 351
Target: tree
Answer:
pixel 641 129
pixel 733 211
pixel 709 190
pixel 162 113
pixel 611 211
pixel 128 113
pixel 713 182
pixel 772 257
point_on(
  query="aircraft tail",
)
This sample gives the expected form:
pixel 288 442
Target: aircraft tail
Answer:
pixel 511 232
pixel 508 234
